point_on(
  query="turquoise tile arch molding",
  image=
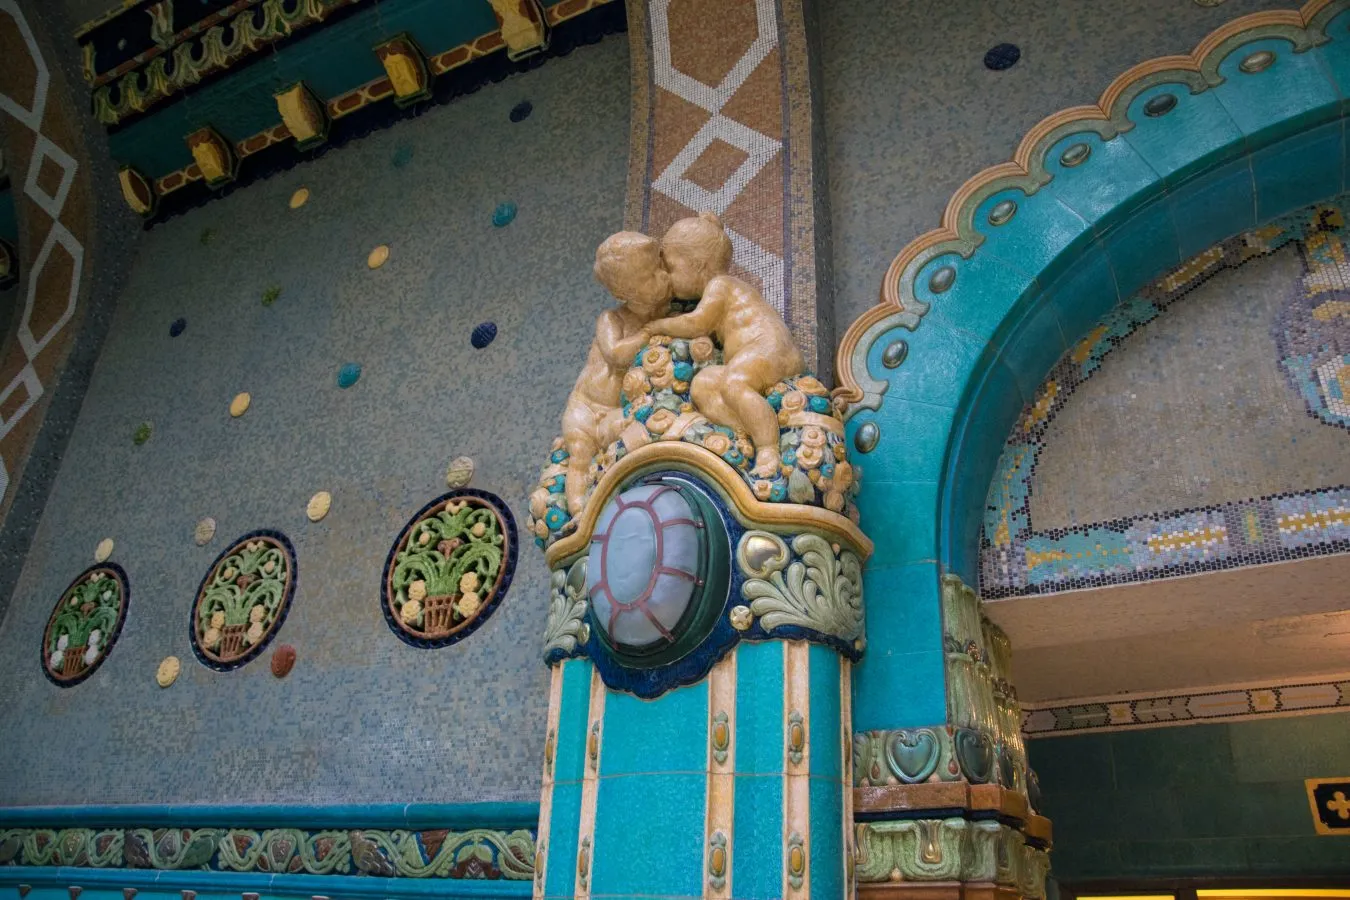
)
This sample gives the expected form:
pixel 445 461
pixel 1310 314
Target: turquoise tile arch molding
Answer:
pixel 222 628
pixel 985 310
pixel 1030 254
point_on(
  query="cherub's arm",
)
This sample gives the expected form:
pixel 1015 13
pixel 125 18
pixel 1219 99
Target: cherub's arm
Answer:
pixel 617 350
pixel 702 319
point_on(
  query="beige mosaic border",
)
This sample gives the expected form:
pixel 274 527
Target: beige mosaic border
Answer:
pixel 1125 712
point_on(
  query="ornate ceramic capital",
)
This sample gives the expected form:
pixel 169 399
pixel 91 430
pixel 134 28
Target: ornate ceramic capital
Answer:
pixel 891 855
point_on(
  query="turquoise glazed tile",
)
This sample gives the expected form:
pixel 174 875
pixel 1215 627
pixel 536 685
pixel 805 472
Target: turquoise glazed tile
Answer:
pixel 1303 856
pixel 1214 206
pixel 1141 248
pixel 826 731
pixel 1032 346
pixel 901 518
pixel 1295 93
pixel 1299 171
pixel 573 720
pixel 561 850
pixel 937 365
pixel 1198 133
pixel 1178 856
pixel 1171 757
pixel 668 734
pixel 904 612
pixel 649 835
pixel 899 690
pixel 1083 295
pixel 1076 763
pixel 913 441
pixel 986 286
pixel 1288 749
pixel 1335 56
pixel 1081 859
pixel 1108 186
pixel 759 707
pixel 1039 239
pixel 757 855
pixel 979 442
pixel 827 839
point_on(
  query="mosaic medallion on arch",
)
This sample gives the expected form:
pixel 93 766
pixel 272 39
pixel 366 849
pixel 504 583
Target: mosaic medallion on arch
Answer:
pixel 449 569
pixel 85 624
pixel 243 600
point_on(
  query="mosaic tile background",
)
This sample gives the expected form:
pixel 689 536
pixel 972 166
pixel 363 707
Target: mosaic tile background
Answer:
pixel 459 724
pixel 1184 432
pixel 911 111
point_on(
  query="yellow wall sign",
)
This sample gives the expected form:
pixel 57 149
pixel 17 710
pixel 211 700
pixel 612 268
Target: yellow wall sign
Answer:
pixel 1330 802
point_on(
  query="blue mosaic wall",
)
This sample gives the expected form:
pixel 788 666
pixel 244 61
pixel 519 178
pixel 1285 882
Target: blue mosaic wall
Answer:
pixel 363 717
pixel 1260 369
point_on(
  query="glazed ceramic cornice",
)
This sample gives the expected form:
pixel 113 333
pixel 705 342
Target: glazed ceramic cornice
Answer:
pixel 1109 117
pixel 784 518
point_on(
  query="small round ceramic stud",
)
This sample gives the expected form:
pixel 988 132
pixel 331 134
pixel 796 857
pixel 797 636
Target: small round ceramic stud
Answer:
pixel 168 670
pixel 103 550
pixel 239 405
pixel 460 472
pixel 283 660
pixel 378 257
pixel 300 198
pixel 741 618
pixel 319 505
pixel 205 530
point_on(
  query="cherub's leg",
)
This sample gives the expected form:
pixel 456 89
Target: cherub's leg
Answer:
pixel 579 424
pixel 742 393
pixel 707 391
pixel 611 426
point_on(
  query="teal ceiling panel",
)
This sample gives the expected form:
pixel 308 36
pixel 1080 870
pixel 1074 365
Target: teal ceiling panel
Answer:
pixel 339 58
pixel 240 106
pixel 155 145
pixel 438 25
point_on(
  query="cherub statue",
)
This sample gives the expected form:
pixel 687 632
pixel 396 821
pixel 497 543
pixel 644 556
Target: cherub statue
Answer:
pixel 628 264
pixel 757 346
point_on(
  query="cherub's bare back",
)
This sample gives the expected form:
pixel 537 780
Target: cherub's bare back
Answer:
pixel 751 328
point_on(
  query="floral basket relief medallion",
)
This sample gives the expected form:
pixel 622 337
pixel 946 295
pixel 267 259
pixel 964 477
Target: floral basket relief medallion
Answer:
pixel 449 569
pixel 243 600
pixel 85 623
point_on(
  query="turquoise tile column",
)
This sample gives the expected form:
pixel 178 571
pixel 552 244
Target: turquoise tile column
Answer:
pixel 566 755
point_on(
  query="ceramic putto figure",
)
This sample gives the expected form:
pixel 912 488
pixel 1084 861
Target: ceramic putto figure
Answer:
pixel 692 354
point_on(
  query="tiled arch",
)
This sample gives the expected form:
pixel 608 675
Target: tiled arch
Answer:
pixel 1247 127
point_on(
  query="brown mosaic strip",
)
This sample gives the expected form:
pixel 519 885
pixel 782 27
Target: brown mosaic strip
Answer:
pixel 1151 710
pixel 722 123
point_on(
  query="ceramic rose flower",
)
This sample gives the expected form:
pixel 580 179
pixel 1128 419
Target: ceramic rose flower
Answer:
pixel 211 639
pixel 254 633
pixel 843 475
pixel 808 457
pixel 811 386
pixel 256 613
pixel 660 421
pixel 813 436
pixel 468 582
pixel 417 591
pixel 410 611
pixel 701 349
pixel 762 489
pixel 217 619
pixel 717 442
pixel 794 401
pixel 834 501
pixel 656 359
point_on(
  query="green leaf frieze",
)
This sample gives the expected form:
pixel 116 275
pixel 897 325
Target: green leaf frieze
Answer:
pixel 816 586
pixel 477 853
pixel 950 849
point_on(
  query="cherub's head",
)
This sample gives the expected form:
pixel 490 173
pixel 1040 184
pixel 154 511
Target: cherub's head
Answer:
pixel 628 264
pixel 695 250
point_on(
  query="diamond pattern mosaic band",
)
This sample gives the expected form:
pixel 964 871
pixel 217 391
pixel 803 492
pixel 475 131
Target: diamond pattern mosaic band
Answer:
pixel 722 123
pixel 1126 711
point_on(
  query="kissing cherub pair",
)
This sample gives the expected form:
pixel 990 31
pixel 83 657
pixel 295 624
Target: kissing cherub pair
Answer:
pixel 690 263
